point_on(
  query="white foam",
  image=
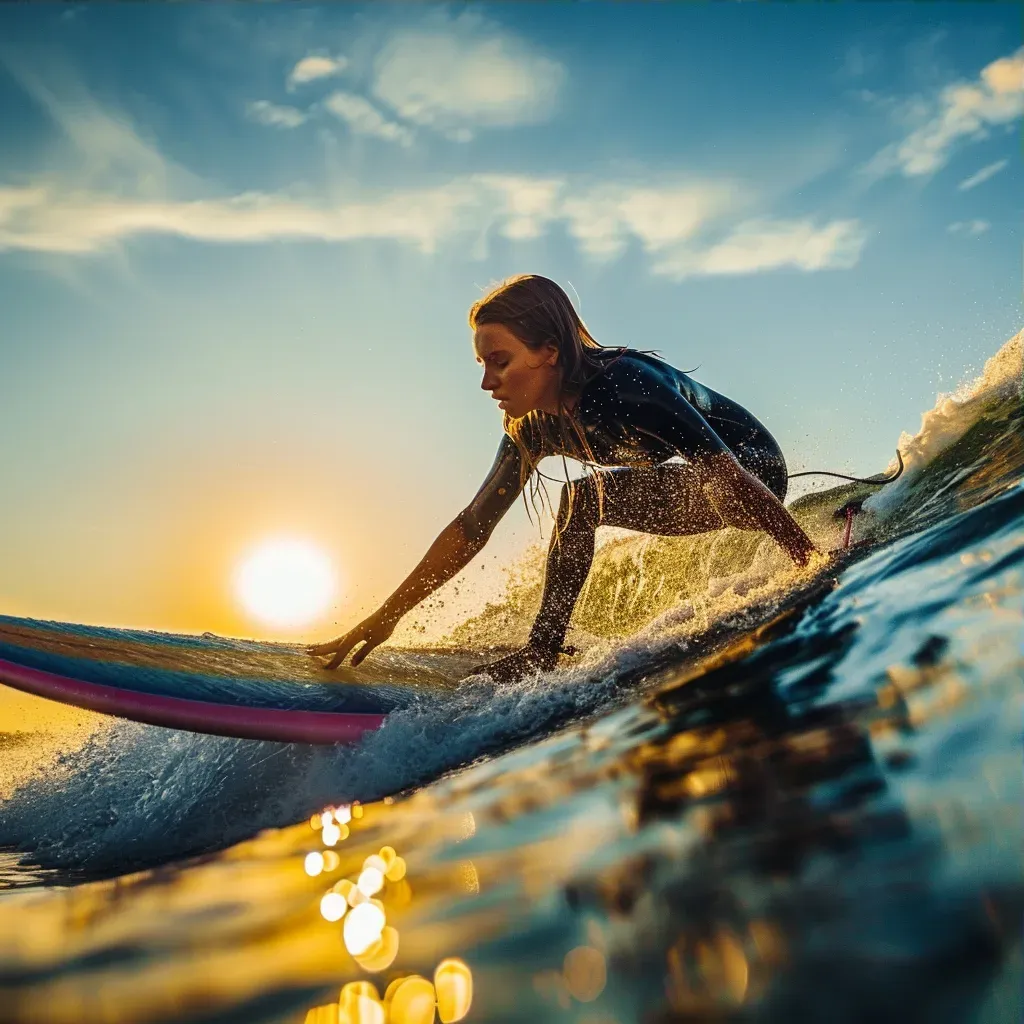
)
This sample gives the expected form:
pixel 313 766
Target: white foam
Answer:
pixel 144 795
pixel 951 416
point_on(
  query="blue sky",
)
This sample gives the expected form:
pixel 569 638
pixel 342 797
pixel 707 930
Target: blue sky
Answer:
pixel 238 244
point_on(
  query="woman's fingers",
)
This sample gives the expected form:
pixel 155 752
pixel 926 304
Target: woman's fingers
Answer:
pixel 368 634
pixel 339 648
pixel 362 652
pixel 336 660
pixel 327 648
pixel 342 653
pixel 373 640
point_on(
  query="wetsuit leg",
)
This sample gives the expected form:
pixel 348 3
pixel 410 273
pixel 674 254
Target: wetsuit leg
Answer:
pixel 666 500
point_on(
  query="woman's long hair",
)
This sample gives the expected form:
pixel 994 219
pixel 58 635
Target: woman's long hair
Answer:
pixel 539 313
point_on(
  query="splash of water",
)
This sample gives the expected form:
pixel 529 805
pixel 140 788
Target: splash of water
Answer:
pixel 972 405
pixel 639 580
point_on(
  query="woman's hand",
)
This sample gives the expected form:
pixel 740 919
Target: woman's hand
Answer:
pixel 526 661
pixel 371 632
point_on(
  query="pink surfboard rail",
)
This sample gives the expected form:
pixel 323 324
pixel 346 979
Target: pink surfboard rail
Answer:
pixel 192 715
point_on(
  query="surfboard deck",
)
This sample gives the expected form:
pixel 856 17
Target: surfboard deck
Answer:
pixel 247 688
pixel 220 685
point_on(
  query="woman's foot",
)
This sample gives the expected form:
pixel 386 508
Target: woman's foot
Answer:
pixel 526 661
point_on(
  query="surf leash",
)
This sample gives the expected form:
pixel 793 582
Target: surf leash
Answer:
pixel 856 479
pixel 851 508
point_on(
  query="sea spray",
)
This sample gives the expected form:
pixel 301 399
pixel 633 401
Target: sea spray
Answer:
pixel 637 579
pixel 991 397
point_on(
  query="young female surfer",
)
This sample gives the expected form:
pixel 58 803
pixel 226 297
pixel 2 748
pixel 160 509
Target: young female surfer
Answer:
pixel 564 394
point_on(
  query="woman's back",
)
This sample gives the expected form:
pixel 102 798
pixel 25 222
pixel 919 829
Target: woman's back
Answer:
pixel 641 408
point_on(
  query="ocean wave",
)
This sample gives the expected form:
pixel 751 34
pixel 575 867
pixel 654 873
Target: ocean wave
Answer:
pixel 136 795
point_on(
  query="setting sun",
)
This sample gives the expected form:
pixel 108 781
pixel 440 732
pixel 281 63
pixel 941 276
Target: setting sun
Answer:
pixel 285 582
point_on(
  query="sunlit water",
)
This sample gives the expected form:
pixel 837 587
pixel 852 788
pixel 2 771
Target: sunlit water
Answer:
pixel 799 799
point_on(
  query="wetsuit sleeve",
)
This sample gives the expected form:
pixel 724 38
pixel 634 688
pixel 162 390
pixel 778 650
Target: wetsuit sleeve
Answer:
pixel 650 403
pixel 496 495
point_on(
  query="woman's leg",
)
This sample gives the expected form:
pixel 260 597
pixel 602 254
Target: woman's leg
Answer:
pixel 666 500
pixel 671 500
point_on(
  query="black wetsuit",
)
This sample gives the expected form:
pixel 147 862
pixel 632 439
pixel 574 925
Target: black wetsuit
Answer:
pixel 636 414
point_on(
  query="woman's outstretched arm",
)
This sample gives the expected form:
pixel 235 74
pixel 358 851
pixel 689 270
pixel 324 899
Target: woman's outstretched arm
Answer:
pixel 745 502
pixel 451 552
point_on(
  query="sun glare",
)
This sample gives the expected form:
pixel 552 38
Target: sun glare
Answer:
pixel 285 582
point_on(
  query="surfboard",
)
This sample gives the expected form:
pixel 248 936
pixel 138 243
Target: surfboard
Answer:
pixel 220 685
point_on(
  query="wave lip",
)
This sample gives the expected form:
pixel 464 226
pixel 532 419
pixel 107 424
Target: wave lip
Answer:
pixel 952 417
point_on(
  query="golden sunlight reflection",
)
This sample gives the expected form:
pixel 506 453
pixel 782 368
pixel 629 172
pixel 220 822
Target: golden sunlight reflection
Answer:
pixel 285 582
pixel 363 927
pixel 708 971
pixel 412 1001
pixel 323 1014
pixel 381 955
pixel 332 834
pixel 333 906
pixel 360 1003
pixel 453 982
pixel 470 876
pixel 396 872
pixel 374 944
pixel 371 879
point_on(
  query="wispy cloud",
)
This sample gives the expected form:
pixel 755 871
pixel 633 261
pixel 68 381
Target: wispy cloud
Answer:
pixel 604 219
pixel 315 66
pixel 763 244
pixel 456 76
pixel 109 186
pixel 858 61
pixel 962 113
pixel 523 207
pixel 979 177
pixel 684 226
pixel 276 115
pixel 365 119
pixel 97 149
pixel 51 221
pixel 452 76
pixel 969 227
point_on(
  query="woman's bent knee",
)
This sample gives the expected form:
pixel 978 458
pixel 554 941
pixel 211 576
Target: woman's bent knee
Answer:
pixel 581 501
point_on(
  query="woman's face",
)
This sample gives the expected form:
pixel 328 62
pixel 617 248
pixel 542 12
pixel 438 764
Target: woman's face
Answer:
pixel 519 379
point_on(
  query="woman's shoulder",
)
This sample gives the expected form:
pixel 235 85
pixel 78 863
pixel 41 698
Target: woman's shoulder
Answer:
pixel 632 371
